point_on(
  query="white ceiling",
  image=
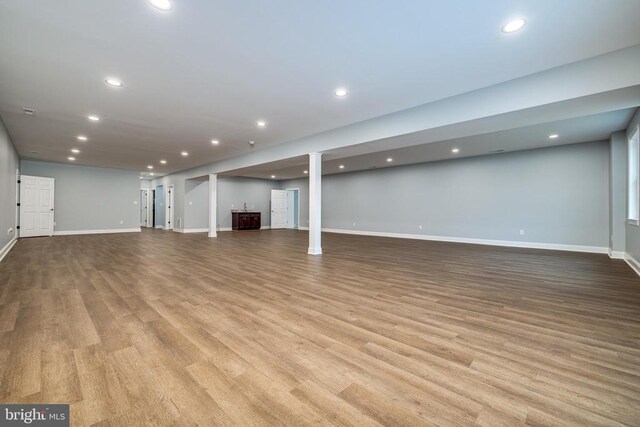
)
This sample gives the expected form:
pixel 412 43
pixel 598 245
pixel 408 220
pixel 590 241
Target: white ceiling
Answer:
pixel 596 127
pixel 210 69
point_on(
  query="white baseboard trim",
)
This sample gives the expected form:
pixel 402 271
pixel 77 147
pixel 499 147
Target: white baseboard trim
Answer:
pixel 110 231
pixel 633 263
pixel 508 243
pixel 4 251
pixel 314 251
pixel 616 254
pixel 159 226
pixel 191 230
pixel 265 227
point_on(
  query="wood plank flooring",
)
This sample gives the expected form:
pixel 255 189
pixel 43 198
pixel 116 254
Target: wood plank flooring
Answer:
pixel 161 328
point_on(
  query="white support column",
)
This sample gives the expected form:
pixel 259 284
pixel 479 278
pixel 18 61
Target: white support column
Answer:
pixel 213 205
pixel 617 194
pixel 315 204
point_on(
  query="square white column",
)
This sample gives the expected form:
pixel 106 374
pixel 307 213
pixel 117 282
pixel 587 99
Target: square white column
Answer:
pixel 213 205
pixel 315 204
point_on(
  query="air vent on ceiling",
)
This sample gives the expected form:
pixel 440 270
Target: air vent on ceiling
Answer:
pixel 29 111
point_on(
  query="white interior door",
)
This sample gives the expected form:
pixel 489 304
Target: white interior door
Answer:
pixel 278 209
pixel 36 206
pixel 144 208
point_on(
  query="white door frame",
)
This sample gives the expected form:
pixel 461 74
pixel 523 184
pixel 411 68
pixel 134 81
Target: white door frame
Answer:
pixel 149 208
pixel 169 194
pixel 52 204
pixel 144 193
pixel 284 222
pixel 152 201
pixel 163 192
pixel 296 189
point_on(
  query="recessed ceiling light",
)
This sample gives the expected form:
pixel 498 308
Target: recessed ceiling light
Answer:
pixel 71 158
pixel 184 154
pixel 113 82
pixel 553 136
pixel 215 142
pixel 149 167
pixel 455 150
pixel 341 166
pixel 164 162
pixel 82 138
pixel 140 177
pixel 341 92
pixel 75 151
pixel 152 174
pixel 261 123
pixel 273 176
pixel 389 159
pixel 161 4
pixel 93 118
pixel 306 171
pixel 513 26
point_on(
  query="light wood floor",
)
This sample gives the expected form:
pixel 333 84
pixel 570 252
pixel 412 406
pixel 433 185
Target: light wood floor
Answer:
pixel 177 329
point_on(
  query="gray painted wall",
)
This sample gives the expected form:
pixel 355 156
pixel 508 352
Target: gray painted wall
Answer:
pixel 178 180
pixel 193 206
pixel 632 232
pixel 196 209
pixel 457 117
pixel 9 163
pixel 233 192
pixel 90 198
pixel 557 195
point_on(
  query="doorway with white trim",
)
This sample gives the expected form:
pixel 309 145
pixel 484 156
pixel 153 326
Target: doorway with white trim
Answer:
pixel 36 206
pixel 293 210
pixel 285 212
pixel 170 208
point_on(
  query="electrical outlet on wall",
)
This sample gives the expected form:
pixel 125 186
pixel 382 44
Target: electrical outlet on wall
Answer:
pixel 121 222
pixel 522 232
pixel 135 202
pixel 419 227
pixel 354 223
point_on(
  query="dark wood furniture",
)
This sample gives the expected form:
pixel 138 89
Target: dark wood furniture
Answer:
pixel 245 220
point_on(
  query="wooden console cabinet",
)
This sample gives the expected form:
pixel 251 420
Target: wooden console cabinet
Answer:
pixel 245 220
